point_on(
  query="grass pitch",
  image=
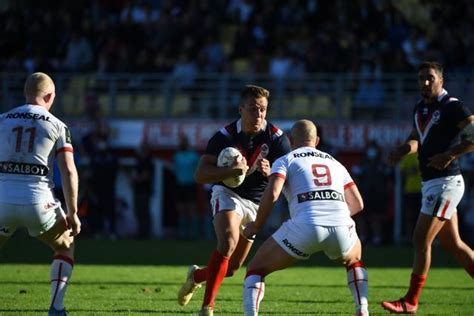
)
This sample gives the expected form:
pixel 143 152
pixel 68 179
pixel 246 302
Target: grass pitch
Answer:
pixel 129 277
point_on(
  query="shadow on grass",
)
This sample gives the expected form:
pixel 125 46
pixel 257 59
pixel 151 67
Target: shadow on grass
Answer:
pixel 102 284
pixel 24 249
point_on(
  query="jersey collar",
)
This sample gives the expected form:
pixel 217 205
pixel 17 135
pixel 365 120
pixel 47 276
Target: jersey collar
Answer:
pixel 239 125
pixel 442 95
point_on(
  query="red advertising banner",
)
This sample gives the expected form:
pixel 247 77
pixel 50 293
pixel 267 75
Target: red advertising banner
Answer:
pixel 164 134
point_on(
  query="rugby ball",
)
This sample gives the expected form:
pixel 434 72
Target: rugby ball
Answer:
pixel 226 158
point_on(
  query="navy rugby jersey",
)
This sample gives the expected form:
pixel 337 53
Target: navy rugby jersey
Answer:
pixel 436 126
pixel 270 144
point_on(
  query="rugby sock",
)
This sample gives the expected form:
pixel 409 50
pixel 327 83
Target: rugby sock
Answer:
pixel 358 282
pixel 416 285
pixel 216 270
pixel 470 270
pixel 254 290
pixel 200 275
pixel 61 270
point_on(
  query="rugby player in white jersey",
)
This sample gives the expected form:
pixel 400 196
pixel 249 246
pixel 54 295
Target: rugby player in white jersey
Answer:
pixel 31 139
pixel 322 198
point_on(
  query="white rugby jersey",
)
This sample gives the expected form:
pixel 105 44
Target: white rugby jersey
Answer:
pixel 314 187
pixel 30 137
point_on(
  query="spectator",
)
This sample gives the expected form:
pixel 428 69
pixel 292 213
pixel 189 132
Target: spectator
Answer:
pixel 103 166
pixel 411 179
pixel 185 162
pixel 370 98
pixel 374 181
pixel 142 183
pixel 79 54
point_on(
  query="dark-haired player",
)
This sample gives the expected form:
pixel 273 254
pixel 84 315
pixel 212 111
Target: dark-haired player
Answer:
pixel 443 130
pixel 261 143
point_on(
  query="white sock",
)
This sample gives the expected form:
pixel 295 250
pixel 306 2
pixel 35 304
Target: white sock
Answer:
pixel 254 290
pixel 357 280
pixel 61 270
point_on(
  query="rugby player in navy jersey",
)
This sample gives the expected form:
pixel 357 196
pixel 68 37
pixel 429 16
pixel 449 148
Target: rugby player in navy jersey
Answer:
pixel 260 143
pixel 443 130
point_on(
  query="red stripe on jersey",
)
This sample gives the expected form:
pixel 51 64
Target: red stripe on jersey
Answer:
pixel 348 185
pixel 254 157
pixel 445 208
pixel 279 175
pixel 422 124
pixel 64 149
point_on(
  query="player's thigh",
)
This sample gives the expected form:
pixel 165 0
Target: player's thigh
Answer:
pixel 240 253
pixel 270 257
pixel 9 218
pixel 58 237
pixel 340 243
pixel 227 228
pixel 449 233
pixel 426 229
pixel 57 234
pixel 353 255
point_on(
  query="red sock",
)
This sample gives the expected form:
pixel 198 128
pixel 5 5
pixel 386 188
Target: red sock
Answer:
pixel 216 270
pixel 200 275
pixel 470 270
pixel 416 284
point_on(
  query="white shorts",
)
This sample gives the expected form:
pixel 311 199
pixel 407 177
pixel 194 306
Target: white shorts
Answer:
pixel 223 199
pixel 302 240
pixel 37 218
pixel 441 196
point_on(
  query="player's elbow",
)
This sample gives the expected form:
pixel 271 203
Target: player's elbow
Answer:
pixel 356 206
pixel 68 173
pixel 198 177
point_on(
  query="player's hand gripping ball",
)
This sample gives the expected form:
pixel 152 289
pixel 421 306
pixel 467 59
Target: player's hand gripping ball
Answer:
pixel 226 158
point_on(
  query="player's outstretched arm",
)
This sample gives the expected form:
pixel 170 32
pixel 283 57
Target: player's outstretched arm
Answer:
pixel 408 147
pixel 70 184
pixel 270 195
pixel 354 199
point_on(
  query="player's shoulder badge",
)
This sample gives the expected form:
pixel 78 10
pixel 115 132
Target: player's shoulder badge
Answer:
pixel 264 150
pixel 68 135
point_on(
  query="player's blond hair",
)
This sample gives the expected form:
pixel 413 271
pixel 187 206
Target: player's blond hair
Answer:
pixel 304 131
pixel 254 92
pixel 38 84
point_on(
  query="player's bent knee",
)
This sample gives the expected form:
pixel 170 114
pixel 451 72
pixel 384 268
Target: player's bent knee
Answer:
pixel 64 243
pixel 227 247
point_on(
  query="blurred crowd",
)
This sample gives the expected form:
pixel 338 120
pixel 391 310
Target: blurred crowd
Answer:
pixel 184 37
pixel 276 37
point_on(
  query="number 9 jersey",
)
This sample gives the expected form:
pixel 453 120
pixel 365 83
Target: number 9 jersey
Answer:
pixel 314 187
pixel 30 137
